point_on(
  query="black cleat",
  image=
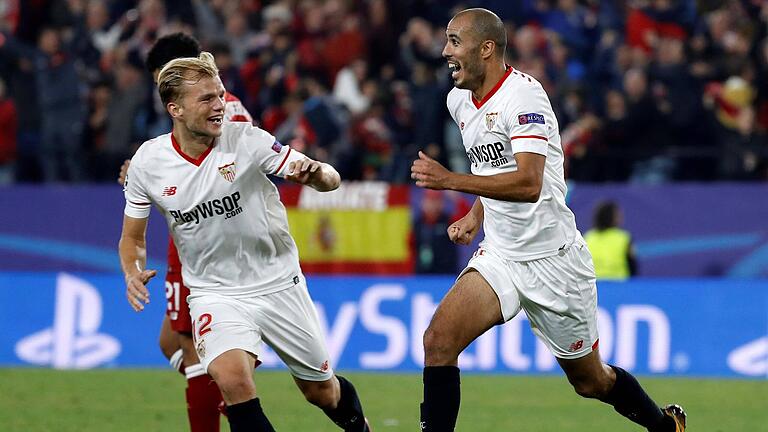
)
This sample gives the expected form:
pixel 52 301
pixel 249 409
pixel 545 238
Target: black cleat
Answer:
pixel 678 415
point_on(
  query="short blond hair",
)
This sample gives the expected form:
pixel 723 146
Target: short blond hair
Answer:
pixel 184 70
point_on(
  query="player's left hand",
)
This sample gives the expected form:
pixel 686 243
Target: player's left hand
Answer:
pixel 123 172
pixel 136 289
pixel 429 173
pixel 303 171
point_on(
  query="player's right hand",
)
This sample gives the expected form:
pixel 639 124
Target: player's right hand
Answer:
pixel 136 289
pixel 123 172
pixel 464 230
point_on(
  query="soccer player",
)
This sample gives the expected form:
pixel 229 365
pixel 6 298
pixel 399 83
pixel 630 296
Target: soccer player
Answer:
pixel 202 393
pixel 532 256
pixel 209 180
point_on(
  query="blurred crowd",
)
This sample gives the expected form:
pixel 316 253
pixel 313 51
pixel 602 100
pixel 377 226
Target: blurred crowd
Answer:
pixel 644 90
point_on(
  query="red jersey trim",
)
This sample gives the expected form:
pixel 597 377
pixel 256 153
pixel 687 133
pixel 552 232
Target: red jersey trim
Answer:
pixel 195 162
pixel 594 345
pixel 283 162
pixel 239 118
pixel 528 136
pixel 493 90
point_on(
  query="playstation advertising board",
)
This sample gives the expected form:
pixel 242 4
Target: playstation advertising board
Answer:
pixel 664 327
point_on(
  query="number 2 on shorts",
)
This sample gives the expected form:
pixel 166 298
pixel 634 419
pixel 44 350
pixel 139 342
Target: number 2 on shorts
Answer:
pixel 203 323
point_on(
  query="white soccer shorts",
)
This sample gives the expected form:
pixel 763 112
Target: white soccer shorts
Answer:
pixel 558 294
pixel 285 320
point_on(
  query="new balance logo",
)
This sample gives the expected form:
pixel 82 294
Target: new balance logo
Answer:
pixel 169 190
pixel 576 346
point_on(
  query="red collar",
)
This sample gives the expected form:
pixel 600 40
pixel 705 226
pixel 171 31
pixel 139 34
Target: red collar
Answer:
pixel 195 162
pixel 493 90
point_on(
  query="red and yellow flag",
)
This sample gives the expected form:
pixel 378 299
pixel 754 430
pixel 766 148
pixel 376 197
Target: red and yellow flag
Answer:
pixel 362 227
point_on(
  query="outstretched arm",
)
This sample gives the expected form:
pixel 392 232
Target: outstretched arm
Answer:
pixel 317 175
pixel 133 260
pixel 523 185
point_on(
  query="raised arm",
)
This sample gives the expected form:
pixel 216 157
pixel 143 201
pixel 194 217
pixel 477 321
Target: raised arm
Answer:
pixel 133 260
pixel 317 175
pixel 523 185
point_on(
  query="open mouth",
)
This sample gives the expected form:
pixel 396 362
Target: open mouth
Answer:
pixel 455 68
pixel 216 120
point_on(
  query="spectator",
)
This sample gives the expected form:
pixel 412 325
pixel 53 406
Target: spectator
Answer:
pixel 124 130
pixel 434 251
pixel 58 88
pixel 611 247
pixel 95 130
pixel 8 129
pixel 626 78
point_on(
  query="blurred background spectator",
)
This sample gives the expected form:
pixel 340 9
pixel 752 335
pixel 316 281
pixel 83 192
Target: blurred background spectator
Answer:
pixel 611 246
pixel 9 125
pixel 644 90
pixel 435 253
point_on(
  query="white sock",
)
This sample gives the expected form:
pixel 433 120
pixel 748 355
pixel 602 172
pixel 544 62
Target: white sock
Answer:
pixel 176 360
pixel 193 371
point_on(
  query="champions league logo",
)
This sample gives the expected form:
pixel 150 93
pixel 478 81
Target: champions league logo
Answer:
pixel 228 172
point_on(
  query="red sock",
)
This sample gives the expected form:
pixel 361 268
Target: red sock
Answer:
pixel 203 399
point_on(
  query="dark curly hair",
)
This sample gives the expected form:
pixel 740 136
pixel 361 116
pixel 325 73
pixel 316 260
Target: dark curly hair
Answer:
pixel 172 46
pixel 605 215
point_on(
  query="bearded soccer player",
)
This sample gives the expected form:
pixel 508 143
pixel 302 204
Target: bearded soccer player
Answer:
pixel 202 393
pixel 532 256
pixel 238 258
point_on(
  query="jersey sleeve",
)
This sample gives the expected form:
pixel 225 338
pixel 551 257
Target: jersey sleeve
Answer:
pixel 235 111
pixel 268 153
pixel 528 121
pixel 137 200
pixel 452 102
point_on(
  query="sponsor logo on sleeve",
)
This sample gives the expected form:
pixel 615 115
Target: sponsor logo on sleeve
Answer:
pixel 277 147
pixel 529 118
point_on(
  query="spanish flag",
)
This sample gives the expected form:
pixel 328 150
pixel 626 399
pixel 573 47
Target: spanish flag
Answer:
pixel 362 227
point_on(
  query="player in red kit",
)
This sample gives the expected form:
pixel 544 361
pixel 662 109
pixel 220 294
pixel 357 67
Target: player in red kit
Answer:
pixel 202 394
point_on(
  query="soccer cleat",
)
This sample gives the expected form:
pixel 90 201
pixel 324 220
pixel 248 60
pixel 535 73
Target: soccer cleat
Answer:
pixel 678 415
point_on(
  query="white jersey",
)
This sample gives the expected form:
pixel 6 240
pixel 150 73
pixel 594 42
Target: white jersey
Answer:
pixel 515 117
pixel 234 110
pixel 224 214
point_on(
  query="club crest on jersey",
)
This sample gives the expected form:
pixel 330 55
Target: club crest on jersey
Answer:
pixel 228 172
pixel 490 120
pixel 529 118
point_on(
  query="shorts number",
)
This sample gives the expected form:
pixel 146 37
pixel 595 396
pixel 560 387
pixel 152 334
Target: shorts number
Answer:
pixel 204 321
pixel 172 293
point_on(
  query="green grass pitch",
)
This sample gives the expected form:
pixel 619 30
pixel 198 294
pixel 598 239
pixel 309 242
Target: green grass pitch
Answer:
pixel 149 400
